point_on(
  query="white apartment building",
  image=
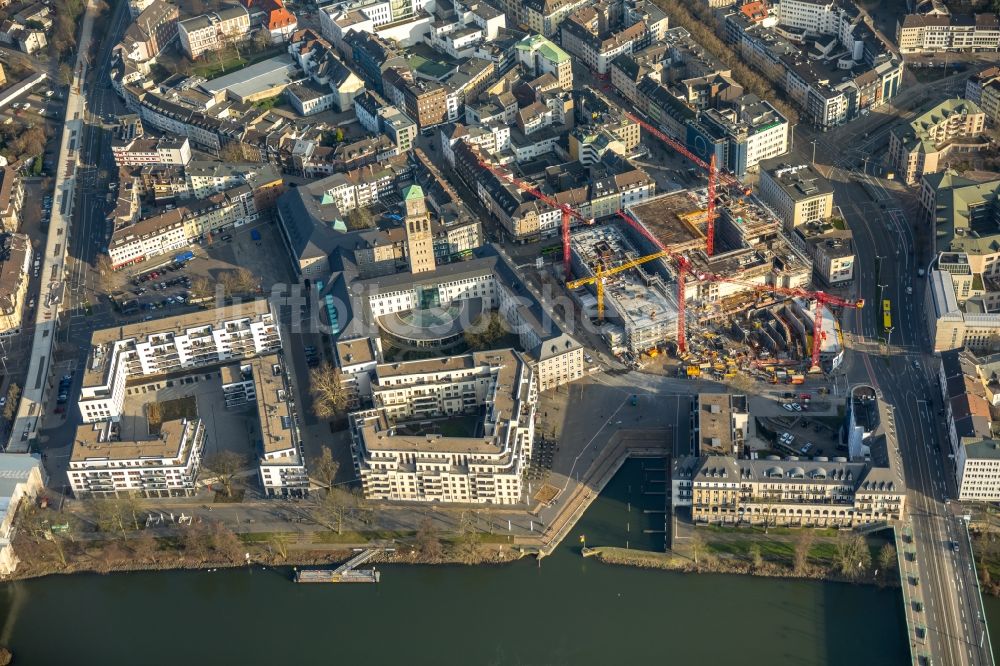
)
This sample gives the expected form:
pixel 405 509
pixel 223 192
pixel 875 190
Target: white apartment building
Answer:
pixel 166 464
pixel 140 151
pixel 148 349
pixel 261 381
pixel 398 455
pixel 212 31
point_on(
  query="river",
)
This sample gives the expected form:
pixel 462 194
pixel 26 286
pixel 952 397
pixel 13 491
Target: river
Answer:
pixel 567 611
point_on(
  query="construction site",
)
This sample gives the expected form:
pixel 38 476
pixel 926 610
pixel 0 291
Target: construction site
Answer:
pixel 707 274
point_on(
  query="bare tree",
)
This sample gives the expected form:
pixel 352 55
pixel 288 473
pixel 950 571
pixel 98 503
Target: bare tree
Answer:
pixel 699 549
pixel 111 515
pixel 853 557
pixel 328 392
pixel 224 542
pixel 803 545
pixel 325 469
pixel 145 547
pixel 756 558
pixel 280 542
pixel 196 541
pixel 245 281
pixel 887 558
pixel 225 465
pixel 262 40
pixel 485 331
pixel 232 152
pixel 333 509
pixel 202 287
pixel 428 542
pixel 13 396
pixel 65 75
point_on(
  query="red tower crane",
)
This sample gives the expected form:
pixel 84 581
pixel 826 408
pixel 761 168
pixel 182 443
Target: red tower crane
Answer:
pixel 713 175
pixel 567 211
pixel 820 297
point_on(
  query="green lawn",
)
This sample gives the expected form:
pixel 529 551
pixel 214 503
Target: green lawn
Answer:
pixel 210 66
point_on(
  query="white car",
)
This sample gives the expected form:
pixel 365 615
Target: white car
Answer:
pixel 796 406
pixel 788 407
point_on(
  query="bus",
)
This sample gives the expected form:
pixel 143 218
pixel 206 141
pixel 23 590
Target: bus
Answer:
pixel 551 249
pixel 886 314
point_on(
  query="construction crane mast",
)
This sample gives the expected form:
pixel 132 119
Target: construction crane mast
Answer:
pixel 566 211
pixel 713 175
pixel 601 274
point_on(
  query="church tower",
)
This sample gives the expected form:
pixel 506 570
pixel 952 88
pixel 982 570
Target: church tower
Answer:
pixel 419 239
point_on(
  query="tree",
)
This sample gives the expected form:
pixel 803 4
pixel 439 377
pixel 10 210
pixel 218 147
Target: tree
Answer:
pixel 333 508
pixel 13 396
pixel 232 152
pixel 65 74
pixel 699 549
pixel 202 287
pixel 262 40
pixel 359 218
pixel 224 542
pixel 328 392
pixel 852 556
pixel 756 558
pixel 111 515
pixel 196 541
pixel 225 465
pixel 105 272
pixel 280 541
pixel 428 542
pixel 887 558
pixel 5 656
pixel 145 547
pixel 803 545
pixel 325 469
pixel 485 331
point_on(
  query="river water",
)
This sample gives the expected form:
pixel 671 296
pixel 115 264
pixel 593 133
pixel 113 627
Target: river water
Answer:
pixel 568 611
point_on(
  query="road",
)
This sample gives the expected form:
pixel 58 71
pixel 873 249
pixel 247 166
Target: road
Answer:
pixel 890 251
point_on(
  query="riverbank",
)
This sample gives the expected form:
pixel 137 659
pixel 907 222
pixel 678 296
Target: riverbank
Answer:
pixel 681 564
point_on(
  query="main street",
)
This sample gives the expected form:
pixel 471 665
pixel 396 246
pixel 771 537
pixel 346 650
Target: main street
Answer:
pixel 891 250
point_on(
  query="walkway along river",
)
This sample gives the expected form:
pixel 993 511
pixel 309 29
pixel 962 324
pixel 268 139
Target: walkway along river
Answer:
pixel 567 611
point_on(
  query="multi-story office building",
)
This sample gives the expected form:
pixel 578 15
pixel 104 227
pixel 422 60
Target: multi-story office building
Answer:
pixel 921 146
pixel 740 135
pixel 165 464
pixel 790 492
pixel 798 194
pixel 426 102
pixel 175 344
pixel 540 16
pixel 934 33
pixel 399 456
pixel 720 423
pixel 262 382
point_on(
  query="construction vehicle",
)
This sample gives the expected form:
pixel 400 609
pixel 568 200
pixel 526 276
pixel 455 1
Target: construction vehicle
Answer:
pixel 693 371
pixel 798 379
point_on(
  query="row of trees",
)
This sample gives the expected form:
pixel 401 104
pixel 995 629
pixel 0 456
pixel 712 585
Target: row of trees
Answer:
pixel 698 19
pixel 851 557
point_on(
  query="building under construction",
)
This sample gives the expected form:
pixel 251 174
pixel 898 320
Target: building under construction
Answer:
pixel 640 306
pixel 750 249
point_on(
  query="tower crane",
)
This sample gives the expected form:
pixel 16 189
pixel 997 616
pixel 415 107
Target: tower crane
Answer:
pixel 567 211
pixel 821 299
pixel 602 273
pixel 713 176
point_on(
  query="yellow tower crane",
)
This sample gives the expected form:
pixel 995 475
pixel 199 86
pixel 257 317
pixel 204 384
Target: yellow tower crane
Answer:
pixel 601 273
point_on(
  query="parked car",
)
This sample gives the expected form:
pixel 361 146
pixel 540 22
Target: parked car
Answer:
pixel 788 407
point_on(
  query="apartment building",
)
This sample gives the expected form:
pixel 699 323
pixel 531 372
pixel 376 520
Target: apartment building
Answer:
pixel 149 33
pixel 148 349
pixel 540 56
pixel 208 177
pixel 263 383
pixel 923 145
pixel 140 151
pixel 15 262
pixel 212 31
pixel 177 228
pixel 105 464
pixel 540 16
pixel 399 459
pixel 723 490
pixel 740 134
pixel 587 34
pixel 934 33
pixel 797 193
pixel 11 199
pixel 971 394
